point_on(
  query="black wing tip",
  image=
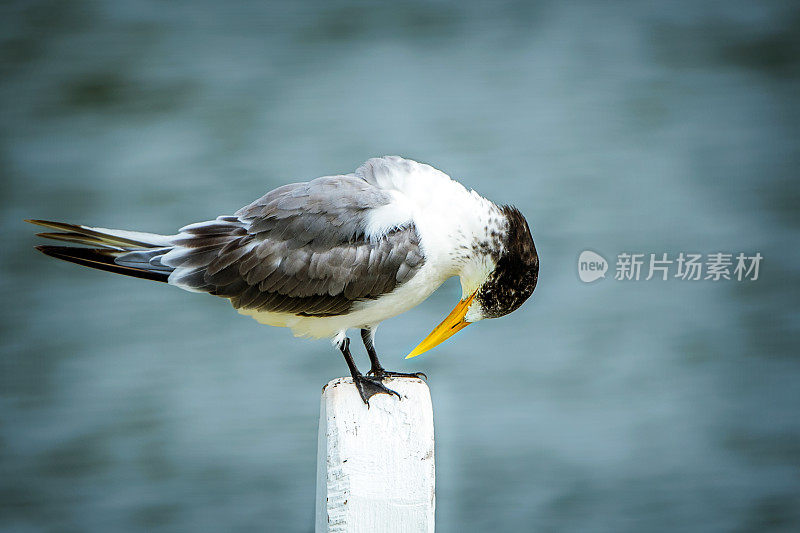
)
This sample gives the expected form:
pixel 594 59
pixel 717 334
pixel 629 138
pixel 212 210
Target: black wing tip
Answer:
pixel 48 250
pixel 99 259
pixel 52 224
pixel 38 222
pixel 70 252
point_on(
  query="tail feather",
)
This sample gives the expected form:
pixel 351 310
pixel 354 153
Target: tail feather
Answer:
pixel 149 259
pixel 106 237
pixel 101 259
pixel 77 238
pixel 119 251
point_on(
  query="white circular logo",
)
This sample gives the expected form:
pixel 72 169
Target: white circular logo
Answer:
pixel 591 266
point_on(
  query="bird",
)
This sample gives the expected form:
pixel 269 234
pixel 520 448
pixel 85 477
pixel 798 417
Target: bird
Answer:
pixel 336 253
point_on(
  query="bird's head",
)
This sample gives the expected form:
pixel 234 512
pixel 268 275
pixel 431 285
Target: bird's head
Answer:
pixel 499 276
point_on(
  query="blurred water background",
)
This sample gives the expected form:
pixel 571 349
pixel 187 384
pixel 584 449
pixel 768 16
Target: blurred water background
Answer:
pixel 610 407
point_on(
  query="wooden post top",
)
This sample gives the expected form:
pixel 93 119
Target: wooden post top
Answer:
pixel 375 466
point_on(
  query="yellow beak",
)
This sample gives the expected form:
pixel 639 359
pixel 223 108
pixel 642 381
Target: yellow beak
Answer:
pixel 450 326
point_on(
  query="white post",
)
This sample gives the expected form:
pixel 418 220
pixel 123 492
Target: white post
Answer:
pixel 375 466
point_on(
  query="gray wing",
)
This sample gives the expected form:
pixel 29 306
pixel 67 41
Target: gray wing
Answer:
pixel 299 249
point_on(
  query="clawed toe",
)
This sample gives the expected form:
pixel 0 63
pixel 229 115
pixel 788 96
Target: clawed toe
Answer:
pixel 370 386
pixel 389 374
pixel 419 375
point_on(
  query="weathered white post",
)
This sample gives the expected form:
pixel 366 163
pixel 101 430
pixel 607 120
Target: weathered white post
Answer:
pixel 375 466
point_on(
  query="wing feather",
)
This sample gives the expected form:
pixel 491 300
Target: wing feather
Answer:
pixel 301 248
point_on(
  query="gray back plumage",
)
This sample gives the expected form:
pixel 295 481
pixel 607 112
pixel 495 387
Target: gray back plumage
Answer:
pixel 299 249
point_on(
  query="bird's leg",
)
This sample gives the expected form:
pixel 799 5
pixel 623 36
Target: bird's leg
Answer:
pixel 376 369
pixel 367 386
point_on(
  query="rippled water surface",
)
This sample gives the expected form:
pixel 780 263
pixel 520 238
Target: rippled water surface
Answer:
pixel 610 407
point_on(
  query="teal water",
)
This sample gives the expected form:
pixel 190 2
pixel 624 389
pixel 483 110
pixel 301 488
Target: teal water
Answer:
pixel 605 407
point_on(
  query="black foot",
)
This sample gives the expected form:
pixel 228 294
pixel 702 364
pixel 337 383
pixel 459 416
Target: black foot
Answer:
pixel 370 386
pixel 381 373
pixel 376 369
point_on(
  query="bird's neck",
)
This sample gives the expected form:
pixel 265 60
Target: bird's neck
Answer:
pixel 460 231
pixel 463 232
pixel 479 239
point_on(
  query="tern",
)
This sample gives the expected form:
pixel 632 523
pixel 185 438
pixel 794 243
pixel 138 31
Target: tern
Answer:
pixel 336 253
